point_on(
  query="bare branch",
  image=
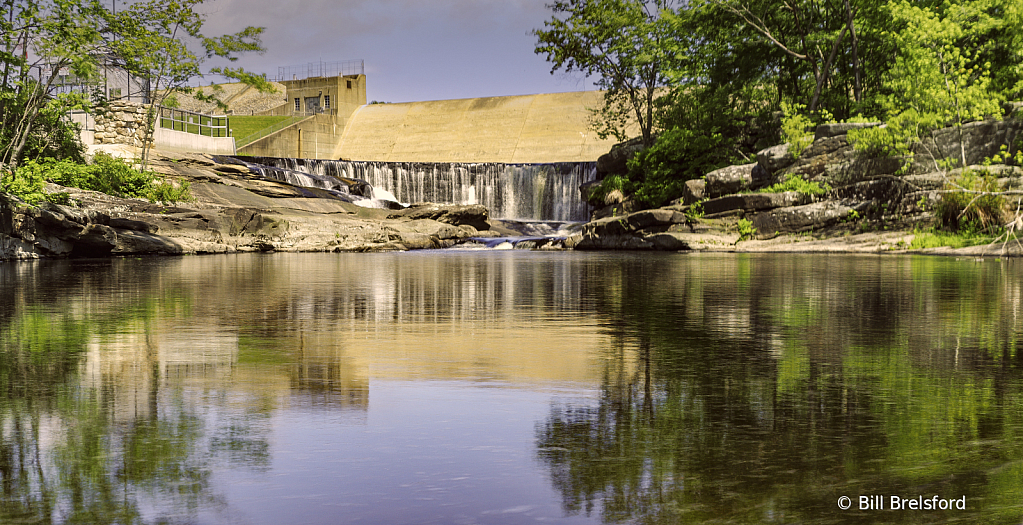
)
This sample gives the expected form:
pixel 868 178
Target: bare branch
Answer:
pixel 759 25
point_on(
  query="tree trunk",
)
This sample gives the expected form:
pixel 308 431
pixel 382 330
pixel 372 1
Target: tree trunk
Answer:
pixel 857 86
pixel 827 69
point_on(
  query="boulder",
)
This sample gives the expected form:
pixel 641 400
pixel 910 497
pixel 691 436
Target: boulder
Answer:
pixel 694 191
pixel 980 140
pixel 731 179
pixel 654 218
pixel 669 241
pixel 615 161
pixel 775 158
pixel 887 189
pixel 474 215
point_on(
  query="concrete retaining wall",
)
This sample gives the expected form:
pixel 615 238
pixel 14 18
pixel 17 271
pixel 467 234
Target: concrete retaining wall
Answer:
pixel 192 143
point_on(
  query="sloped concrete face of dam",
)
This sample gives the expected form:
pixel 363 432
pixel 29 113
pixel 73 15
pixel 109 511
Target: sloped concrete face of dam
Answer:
pixel 543 128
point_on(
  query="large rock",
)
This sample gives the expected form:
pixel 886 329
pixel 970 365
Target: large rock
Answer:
pixel 474 215
pixel 775 158
pixel 694 191
pixel 754 202
pixel 731 179
pixel 615 161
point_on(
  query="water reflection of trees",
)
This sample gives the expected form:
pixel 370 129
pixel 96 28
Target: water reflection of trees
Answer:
pixel 69 451
pixel 760 389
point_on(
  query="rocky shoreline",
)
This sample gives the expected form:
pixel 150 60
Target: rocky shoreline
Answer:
pixel 873 205
pixel 234 211
pixel 869 209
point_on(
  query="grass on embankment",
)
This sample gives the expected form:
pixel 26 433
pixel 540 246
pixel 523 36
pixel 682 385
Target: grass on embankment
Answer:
pixel 242 126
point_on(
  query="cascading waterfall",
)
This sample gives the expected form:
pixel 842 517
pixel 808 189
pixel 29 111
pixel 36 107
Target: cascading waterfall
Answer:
pixel 548 192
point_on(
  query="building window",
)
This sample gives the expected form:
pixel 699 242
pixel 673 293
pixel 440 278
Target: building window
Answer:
pixel 298 104
pixel 326 101
pixel 115 93
pixel 349 84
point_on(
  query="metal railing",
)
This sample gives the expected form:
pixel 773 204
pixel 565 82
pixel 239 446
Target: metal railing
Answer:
pixel 241 142
pixel 321 69
pixel 192 122
pixel 83 118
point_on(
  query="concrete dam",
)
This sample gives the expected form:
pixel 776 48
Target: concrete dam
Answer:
pixel 523 157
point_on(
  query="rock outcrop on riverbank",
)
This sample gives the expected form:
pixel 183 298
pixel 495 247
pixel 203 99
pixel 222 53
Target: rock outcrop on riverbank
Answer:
pixel 234 211
pixel 874 204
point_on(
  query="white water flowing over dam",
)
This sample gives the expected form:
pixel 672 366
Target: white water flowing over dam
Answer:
pixel 509 191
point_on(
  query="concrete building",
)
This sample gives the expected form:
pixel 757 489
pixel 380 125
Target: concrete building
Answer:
pixel 329 102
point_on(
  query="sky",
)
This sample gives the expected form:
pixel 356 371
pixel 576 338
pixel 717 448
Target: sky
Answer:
pixel 414 50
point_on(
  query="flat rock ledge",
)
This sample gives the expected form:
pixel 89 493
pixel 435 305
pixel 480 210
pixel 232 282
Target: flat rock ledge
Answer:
pixel 232 212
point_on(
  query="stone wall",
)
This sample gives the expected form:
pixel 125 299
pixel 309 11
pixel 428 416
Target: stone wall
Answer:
pixel 121 123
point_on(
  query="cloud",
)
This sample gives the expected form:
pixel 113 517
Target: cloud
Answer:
pixel 414 49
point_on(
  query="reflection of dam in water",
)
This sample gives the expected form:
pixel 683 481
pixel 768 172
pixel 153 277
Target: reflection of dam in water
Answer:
pixel 509 191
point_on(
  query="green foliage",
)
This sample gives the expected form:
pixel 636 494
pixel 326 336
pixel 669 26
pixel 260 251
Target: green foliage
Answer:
pixel 156 39
pixel 1005 157
pixel 25 185
pixel 941 75
pixel 694 212
pixel 658 173
pixel 106 174
pixel 746 230
pixel 64 34
pixel 795 126
pixel 610 183
pixel 971 213
pixel 940 239
pixel 897 137
pixel 624 45
pixel 798 184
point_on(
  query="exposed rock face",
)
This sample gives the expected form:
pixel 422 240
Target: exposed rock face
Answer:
pixel 754 202
pixel 863 188
pixel 802 218
pixel 233 212
pixel 977 140
pixel 663 229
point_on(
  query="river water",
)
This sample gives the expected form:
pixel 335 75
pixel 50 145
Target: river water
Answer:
pixel 464 387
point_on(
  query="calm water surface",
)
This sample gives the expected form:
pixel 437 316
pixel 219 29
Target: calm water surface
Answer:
pixel 509 387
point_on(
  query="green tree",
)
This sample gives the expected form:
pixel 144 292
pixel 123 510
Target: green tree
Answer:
pixel 623 43
pixel 163 42
pixel 40 39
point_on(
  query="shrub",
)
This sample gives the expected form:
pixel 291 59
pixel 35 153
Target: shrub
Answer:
pixel 798 184
pixel 106 174
pixel 658 174
pixel 746 229
pixel 971 213
pixel 610 183
pixel 794 126
pixel 25 185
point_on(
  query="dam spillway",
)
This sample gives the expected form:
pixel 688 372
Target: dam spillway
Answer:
pixel 547 192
